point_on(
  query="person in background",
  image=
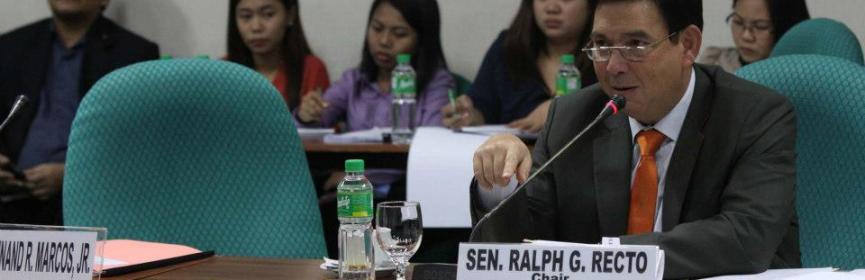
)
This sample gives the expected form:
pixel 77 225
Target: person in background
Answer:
pixel 362 96
pixel 54 62
pixel 517 79
pixel 756 26
pixel 267 35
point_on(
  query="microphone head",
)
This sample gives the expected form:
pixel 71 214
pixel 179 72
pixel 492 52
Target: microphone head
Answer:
pixel 618 101
pixel 22 99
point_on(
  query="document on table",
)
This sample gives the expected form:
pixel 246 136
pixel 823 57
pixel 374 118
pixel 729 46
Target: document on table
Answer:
pixel 439 173
pixel 374 135
pixel 314 133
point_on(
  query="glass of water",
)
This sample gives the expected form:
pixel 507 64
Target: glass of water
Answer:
pixel 399 231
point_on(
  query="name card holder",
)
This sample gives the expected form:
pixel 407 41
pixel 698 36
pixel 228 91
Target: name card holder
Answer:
pixel 549 260
pixel 36 252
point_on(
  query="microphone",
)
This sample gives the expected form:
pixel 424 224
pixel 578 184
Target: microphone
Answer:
pixel 20 102
pixel 612 107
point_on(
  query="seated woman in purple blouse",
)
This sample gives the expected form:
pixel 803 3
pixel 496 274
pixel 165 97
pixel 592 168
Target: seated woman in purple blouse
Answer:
pixel 362 96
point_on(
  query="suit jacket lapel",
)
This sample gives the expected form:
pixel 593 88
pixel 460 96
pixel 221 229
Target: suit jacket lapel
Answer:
pixel 612 157
pixel 685 154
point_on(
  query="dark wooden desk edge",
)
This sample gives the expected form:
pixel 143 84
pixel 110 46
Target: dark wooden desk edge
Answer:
pixel 157 271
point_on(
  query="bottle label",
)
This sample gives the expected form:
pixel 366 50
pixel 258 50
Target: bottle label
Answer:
pixel 356 204
pixel 566 85
pixel 561 86
pixel 402 85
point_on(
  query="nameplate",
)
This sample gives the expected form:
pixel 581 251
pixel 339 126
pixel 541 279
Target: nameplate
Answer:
pixel 38 255
pixel 558 261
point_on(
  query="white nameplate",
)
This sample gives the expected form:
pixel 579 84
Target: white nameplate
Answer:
pixel 38 255
pixel 548 260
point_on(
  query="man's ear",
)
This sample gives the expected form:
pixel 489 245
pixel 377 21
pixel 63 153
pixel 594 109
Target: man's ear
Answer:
pixel 692 39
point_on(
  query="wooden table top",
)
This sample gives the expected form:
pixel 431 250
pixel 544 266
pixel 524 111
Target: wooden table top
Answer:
pixel 221 267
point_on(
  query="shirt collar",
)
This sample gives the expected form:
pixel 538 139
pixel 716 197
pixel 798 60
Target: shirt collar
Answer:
pixel 671 124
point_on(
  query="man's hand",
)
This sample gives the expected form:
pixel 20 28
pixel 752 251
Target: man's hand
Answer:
pixel 311 106
pixel 534 121
pixel 462 113
pixel 7 178
pixel 45 180
pixel 498 158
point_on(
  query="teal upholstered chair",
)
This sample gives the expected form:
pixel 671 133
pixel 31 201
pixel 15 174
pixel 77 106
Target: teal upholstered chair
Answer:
pixel 828 94
pixel 820 36
pixel 196 152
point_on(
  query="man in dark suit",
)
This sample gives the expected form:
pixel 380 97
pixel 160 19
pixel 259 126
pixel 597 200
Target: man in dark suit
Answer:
pixel 54 62
pixel 702 164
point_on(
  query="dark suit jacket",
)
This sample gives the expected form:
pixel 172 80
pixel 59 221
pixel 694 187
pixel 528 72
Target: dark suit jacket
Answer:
pixel 729 195
pixel 25 55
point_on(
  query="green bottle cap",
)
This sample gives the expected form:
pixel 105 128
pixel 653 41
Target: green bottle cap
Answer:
pixel 166 57
pixel 354 165
pixel 568 59
pixel 403 58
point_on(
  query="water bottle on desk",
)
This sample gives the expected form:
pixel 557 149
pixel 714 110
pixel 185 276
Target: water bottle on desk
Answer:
pixel 404 104
pixel 568 79
pixel 354 209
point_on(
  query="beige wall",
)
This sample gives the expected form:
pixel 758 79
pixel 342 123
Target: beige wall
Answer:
pixel 335 27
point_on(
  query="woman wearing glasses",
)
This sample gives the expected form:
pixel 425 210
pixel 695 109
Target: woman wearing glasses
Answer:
pixel 756 26
pixel 516 80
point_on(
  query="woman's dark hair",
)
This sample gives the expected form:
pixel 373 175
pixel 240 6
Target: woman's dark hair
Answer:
pixel 294 49
pixel 525 41
pixel 784 14
pixel 427 58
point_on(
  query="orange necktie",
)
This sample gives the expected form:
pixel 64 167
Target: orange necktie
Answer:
pixel 644 192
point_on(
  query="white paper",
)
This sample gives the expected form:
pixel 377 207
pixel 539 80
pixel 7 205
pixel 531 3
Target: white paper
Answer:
pixel 314 133
pixel 491 130
pixel 29 251
pixel 361 136
pixel 776 274
pixel 439 173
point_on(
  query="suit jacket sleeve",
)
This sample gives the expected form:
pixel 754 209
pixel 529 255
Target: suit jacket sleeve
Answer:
pixel 757 203
pixel 532 207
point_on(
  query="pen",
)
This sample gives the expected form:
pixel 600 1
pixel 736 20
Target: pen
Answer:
pixel 453 100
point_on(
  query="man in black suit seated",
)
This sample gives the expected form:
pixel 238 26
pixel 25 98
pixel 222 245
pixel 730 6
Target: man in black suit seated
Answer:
pixel 701 164
pixel 54 62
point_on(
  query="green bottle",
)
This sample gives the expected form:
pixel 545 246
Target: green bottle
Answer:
pixel 568 79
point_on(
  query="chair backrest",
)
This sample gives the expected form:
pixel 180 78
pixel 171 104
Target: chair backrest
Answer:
pixel 828 94
pixel 196 152
pixel 820 36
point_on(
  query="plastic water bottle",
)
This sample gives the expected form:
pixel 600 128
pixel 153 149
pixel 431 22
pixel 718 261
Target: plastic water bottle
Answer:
pixel 568 80
pixel 354 209
pixel 404 104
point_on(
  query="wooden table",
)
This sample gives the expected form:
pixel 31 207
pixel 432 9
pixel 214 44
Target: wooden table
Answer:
pixel 323 156
pixel 220 267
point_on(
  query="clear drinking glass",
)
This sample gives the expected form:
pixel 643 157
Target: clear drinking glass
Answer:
pixel 399 231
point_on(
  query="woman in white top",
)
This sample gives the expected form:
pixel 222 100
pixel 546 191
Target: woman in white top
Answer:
pixel 756 26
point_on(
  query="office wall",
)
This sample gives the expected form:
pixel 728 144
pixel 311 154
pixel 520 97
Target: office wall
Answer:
pixel 336 27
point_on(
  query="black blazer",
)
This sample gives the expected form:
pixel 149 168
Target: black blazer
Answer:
pixel 25 55
pixel 729 195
